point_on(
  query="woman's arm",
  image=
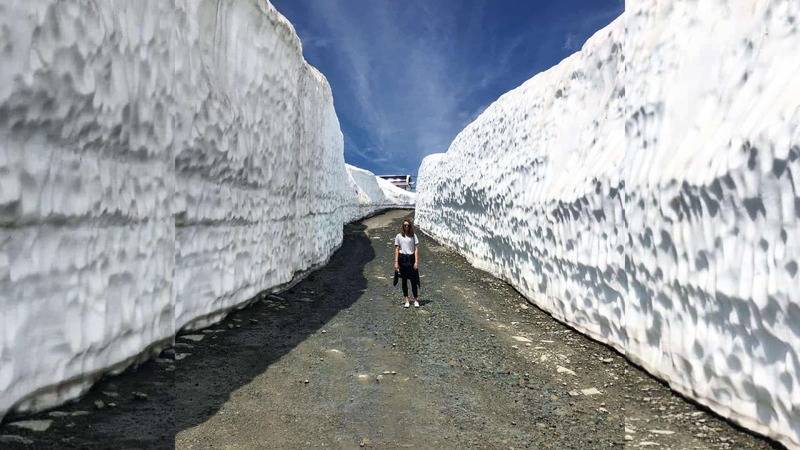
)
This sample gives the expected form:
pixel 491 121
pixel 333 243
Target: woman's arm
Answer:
pixel 416 257
pixel 396 255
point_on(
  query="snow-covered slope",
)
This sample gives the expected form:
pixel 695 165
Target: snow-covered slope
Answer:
pixel 86 192
pixel 374 194
pixel 161 161
pixel 395 195
pixel 258 165
pixel 369 196
pixel 645 190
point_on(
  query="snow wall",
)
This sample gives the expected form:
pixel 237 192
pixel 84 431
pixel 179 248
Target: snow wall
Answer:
pixel 374 193
pixel 396 196
pixel 646 191
pixel 161 162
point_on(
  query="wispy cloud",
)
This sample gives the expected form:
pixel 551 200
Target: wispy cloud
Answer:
pixel 572 42
pixel 477 113
pixel 588 23
pixel 408 76
pixel 405 94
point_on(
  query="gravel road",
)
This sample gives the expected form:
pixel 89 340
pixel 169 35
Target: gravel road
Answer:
pixel 336 362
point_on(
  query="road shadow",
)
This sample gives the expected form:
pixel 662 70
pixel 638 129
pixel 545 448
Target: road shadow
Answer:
pixel 148 405
pixel 269 329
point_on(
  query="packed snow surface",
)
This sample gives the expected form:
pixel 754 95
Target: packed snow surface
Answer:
pixel 646 190
pixel 375 193
pixel 161 162
pixel 395 195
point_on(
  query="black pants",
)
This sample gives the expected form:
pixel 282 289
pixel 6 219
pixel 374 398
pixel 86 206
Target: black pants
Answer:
pixel 407 273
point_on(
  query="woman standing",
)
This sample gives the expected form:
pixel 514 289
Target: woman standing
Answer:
pixel 406 260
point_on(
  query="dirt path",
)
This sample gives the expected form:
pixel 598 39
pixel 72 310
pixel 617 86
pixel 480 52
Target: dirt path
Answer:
pixel 336 362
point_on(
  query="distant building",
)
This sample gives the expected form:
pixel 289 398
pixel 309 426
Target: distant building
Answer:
pixel 401 181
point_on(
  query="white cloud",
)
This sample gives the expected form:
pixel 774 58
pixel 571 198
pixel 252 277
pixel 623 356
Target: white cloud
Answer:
pixel 572 42
pixel 405 90
pixel 410 78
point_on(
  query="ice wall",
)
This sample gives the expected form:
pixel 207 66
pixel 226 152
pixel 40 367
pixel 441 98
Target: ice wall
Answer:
pixel 259 165
pixel 161 161
pixel 86 192
pixel 374 194
pixel 396 196
pixel 645 191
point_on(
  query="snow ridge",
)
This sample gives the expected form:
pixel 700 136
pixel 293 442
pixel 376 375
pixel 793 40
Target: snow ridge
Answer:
pixel 645 191
pixel 161 162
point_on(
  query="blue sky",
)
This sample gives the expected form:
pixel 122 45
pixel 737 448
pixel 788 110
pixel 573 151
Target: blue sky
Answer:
pixel 408 75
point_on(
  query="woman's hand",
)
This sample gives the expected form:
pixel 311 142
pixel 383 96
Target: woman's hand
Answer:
pixel 396 266
pixel 416 265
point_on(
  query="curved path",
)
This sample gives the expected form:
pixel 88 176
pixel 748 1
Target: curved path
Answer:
pixel 336 362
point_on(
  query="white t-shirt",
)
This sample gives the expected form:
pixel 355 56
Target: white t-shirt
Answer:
pixel 407 244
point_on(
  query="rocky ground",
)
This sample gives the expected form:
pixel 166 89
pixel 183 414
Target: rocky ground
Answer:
pixel 336 362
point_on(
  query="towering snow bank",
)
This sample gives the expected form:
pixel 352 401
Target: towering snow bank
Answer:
pixel 86 192
pixel 161 161
pixel 374 194
pixel 369 196
pixel 397 196
pixel 645 190
pixel 259 165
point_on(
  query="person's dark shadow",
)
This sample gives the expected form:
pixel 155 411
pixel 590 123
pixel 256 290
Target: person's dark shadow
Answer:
pixel 161 397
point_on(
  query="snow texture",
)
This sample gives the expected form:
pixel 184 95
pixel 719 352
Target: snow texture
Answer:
pixel 397 196
pixel 161 162
pixel 258 166
pixel 374 194
pixel 646 190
